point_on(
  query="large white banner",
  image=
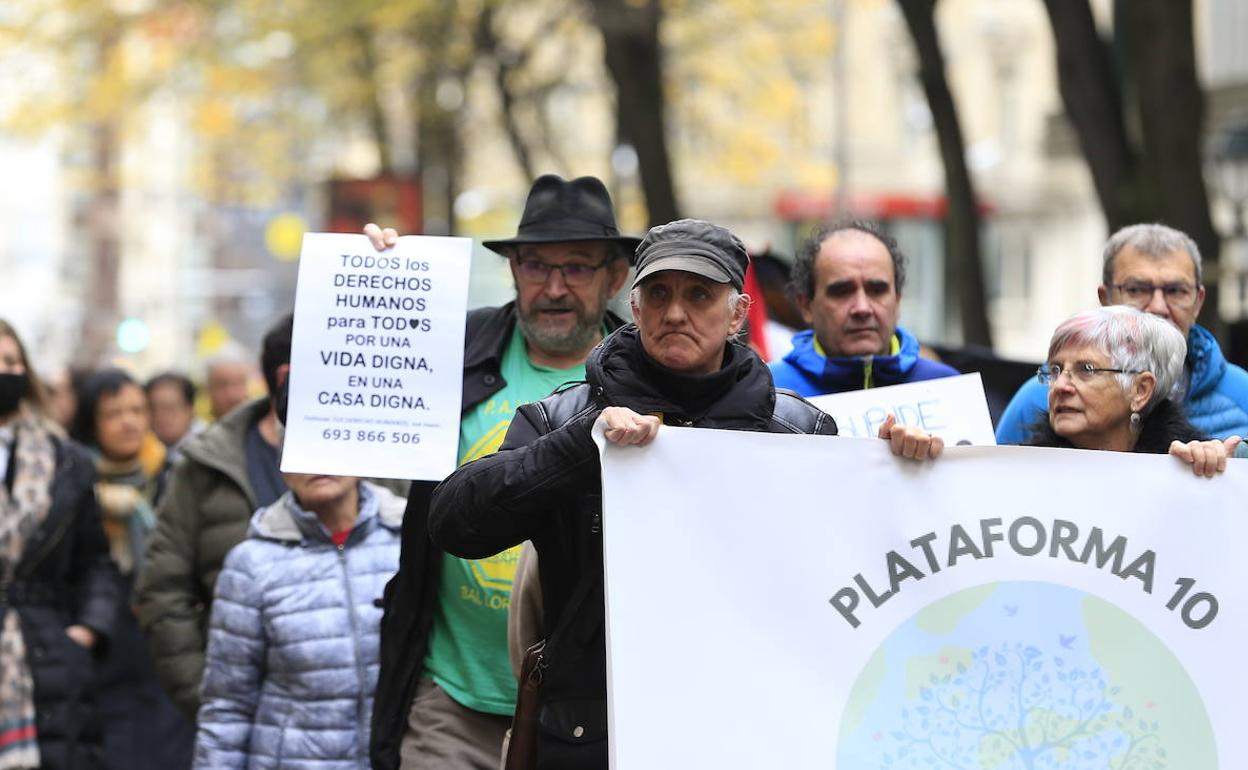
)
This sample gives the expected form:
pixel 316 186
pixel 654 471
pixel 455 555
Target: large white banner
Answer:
pixel 794 602
pixel 953 408
pixel 376 367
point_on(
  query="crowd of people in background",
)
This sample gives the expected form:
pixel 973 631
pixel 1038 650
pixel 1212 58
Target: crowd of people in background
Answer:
pixel 170 599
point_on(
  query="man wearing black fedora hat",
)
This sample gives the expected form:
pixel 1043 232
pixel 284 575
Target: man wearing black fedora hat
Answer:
pixel 446 692
pixel 678 365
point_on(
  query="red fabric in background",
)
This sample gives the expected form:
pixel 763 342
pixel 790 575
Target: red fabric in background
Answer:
pixel 757 316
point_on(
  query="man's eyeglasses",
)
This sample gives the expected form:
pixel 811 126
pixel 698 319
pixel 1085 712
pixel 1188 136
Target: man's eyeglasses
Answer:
pixel 1080 372
pixel 574 274
pixel 1180 295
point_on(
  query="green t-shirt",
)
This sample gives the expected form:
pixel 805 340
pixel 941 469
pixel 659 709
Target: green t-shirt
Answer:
pixel 468 641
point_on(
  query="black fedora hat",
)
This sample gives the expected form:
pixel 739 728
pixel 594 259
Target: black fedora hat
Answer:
pixel 558 210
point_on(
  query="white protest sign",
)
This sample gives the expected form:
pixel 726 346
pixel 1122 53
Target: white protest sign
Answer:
pixel 376 368
pixel 814 602
pixel 953 408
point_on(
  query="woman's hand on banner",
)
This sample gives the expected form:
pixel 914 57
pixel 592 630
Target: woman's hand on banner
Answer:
pixel 1207 458
pixel 909 441
pixel 625 427
pixel 382 238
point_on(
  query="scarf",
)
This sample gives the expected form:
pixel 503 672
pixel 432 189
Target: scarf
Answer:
pixel 124 490
pixel 21 512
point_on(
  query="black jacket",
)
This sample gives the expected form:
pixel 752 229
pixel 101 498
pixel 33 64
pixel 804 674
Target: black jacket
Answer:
pixel 544 485
pixel 65 577
pixel 411 595
pixel 1164 424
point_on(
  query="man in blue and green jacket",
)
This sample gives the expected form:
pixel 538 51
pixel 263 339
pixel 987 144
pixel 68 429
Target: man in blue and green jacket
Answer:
pixel 847 281
pixel 1158 270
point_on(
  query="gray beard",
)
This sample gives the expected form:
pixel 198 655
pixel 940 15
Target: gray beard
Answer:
pixel 559 344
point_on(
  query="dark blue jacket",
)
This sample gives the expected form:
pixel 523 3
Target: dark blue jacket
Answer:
pixel 1216 401
pixel 809 373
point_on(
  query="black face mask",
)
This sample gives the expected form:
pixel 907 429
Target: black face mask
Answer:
pixel 13 388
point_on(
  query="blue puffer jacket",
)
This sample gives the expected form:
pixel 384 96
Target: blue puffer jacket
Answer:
pixel 1216 401
pixel 809 373
pixel 293 643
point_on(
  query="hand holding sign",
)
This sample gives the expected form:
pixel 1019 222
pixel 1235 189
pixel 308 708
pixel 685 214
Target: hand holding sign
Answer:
pixel 625 427
pixel 1207 458
pixel 911 441
pixel 381 239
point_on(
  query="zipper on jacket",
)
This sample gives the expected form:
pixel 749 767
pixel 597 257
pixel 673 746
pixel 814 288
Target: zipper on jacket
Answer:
pixel 868 363
pixel 355 646
pixel 539 670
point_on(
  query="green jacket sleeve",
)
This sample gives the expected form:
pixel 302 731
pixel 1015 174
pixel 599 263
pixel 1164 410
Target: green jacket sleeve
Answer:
pixel 172 609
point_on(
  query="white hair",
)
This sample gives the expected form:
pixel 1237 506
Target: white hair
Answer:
pixel 1133 340
pixel 229 354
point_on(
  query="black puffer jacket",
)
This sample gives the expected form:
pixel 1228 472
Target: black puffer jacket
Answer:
pixel 65 577
pixel 544 485
pixel 1166 423
pixel 412 594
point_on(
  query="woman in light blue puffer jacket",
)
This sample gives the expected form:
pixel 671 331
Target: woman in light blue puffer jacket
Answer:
pixel 293 643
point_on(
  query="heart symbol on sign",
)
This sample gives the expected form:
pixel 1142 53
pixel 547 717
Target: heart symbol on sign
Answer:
pixel 414 322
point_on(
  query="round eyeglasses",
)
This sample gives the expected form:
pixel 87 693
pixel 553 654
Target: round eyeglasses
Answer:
pixel 1081 371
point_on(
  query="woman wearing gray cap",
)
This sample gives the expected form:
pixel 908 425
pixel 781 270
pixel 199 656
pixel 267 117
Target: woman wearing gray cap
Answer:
pixel 677 365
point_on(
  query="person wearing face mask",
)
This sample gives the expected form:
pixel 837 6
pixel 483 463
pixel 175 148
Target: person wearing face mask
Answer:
pixel 58 588
pixel 142 727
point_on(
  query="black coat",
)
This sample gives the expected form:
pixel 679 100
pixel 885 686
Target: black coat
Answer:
pixel 1164 424
pixel 66 577
pixel 544 485
pixel 411 595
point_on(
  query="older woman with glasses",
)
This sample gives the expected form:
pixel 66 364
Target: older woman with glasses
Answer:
pixel 1112 374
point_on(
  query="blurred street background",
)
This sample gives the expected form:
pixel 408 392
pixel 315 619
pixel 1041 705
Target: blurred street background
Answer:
pixel 163 158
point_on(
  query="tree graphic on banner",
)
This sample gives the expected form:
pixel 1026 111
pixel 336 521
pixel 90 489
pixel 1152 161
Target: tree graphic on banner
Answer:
pixel 1017 708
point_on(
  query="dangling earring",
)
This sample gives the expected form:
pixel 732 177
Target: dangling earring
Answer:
pixel 1135 421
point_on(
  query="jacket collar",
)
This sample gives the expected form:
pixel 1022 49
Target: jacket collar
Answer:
pixel 1205 361
pixel 286 522
pixel 835 373
pixel 738 396
pixel 487 336
pixel 220 445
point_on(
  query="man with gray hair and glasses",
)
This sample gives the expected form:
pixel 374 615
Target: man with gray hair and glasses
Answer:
pixel 1157 269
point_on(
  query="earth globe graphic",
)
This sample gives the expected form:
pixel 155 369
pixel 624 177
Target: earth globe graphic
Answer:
pixel 1024 676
